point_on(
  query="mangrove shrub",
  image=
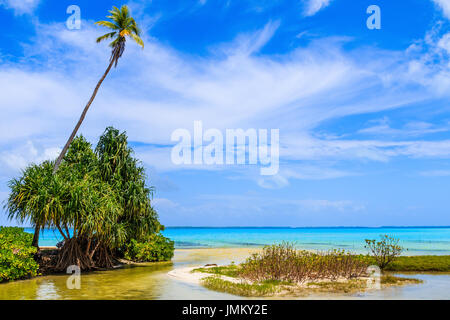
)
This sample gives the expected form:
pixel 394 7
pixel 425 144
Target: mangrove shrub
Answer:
pixel 16 254
pixel 157 248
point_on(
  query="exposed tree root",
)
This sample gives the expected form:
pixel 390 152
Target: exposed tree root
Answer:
pixel 88 255
pixel 72 254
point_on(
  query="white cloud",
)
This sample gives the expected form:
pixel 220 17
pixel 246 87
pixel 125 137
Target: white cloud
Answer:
pixel 314 6
pixel 410 129
pixel 445 6
pixel 157 90
pixel 435 173
pixel 302 205
pixel 18 157
pixel 163 203
pixel 299 172
pixel 342 205
pixel 20 6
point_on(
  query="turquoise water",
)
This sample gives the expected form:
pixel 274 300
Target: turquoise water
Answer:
pixel 421 240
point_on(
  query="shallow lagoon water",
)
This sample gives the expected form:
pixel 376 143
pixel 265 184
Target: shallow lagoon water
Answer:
pixel 150 281
pixel 418 240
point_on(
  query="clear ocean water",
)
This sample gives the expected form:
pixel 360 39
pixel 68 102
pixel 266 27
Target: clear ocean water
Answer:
pixel 418 240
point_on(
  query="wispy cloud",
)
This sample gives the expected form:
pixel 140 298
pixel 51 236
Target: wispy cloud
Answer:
pixel 314 6
pixel 12 160
pixel 20 6
pixel 382 127
pixel 435 173
pixel 445 6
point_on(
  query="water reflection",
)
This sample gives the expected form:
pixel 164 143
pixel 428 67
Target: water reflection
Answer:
pixel 151 281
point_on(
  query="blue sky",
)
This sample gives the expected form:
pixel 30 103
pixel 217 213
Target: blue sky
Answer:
pixel 364 115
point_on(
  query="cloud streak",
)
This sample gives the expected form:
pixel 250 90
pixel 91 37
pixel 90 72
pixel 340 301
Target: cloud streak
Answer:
pixel 235 86
pixel 445 6
pixel 314 6
pixel 20 6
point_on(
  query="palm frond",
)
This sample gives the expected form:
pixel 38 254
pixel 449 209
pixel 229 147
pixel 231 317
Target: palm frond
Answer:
pixel 138 40
pixel 106 36
pixel 124 26
pixel 108 24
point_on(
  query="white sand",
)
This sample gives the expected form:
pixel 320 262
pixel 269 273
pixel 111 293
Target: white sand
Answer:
pixel 186 275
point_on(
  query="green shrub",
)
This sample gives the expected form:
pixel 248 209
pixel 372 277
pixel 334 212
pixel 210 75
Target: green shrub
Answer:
pixel 16 254
pixel 384 251
pixel 285 263
pixel 157 248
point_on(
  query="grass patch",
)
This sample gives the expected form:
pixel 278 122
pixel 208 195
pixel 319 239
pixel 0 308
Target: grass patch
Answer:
pixel 267 288
pixel 229 271
pixel 393 280
pixel 282 288
pixel 420 264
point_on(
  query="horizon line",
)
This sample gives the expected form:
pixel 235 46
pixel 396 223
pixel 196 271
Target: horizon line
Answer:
pixel 279 227
pixel 306 227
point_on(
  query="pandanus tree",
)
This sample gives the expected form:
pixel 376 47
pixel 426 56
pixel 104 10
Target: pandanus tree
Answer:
pixel 97 200
pixel 118 167
pixel 31 198
pixel 82 207
pixel 122 25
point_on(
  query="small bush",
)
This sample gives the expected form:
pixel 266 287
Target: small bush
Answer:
pixel 384 251
pixel 16 254
pixel 284 263
pixel 158 248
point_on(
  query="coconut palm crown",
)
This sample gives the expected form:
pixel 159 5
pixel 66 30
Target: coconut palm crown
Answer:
pixel 123 25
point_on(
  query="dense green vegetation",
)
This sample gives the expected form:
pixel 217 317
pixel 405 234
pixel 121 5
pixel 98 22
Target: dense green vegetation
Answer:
pixel 97 200
pixel 157 248
pixel 16 254
pixel 420 264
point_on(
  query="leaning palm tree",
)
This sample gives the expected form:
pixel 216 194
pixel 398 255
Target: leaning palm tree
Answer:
pixel 122 25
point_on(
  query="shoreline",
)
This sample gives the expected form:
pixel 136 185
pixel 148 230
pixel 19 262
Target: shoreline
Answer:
pixel 313 288
pixel 150 281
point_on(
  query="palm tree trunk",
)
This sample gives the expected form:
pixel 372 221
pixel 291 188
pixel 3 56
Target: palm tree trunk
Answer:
pixel 35 242
pixel 80 121
pixel 69 141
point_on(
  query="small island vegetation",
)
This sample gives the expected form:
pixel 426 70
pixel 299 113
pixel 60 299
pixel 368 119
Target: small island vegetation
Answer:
pixel 284 270
pixel 99 203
